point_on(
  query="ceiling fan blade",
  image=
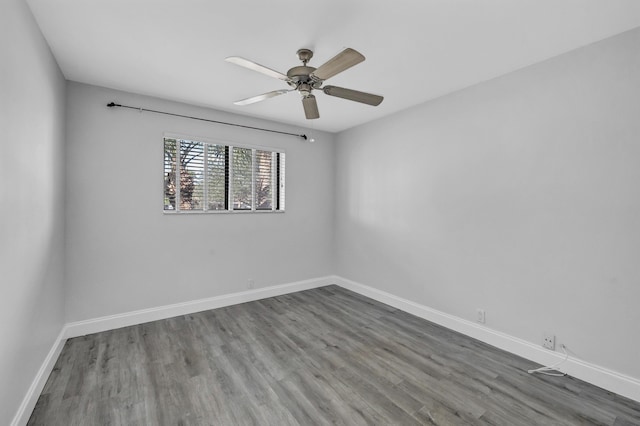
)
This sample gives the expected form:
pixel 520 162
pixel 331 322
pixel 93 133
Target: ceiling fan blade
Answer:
pixel 262 97
pixel 310 107
pixel 256 67
pixel 342 61
pixel 353 95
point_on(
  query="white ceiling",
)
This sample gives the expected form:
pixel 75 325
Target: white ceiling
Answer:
pixel 416 50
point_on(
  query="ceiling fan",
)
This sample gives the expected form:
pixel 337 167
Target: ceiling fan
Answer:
pixel 305 79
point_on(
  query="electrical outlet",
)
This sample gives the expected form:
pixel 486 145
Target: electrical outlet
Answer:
pixel 481 316
pixel 549 341
pixel 251 284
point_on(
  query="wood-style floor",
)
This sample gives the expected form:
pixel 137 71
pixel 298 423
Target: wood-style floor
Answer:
pixel 323 356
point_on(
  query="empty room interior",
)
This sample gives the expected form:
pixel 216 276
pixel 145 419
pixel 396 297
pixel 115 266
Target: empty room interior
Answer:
pixel 335 212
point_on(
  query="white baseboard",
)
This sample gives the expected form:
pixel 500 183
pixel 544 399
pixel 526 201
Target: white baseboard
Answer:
pixel 607 379
pixel 95 325
pixel 30 399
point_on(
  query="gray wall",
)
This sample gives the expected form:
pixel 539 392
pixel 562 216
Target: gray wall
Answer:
pixel 32 102
pixel 124 254
pixel 520 196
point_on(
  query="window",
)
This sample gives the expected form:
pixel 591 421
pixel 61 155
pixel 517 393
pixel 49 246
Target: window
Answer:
pixel 215 177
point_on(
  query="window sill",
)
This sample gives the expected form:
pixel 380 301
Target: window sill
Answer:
pixel 189 212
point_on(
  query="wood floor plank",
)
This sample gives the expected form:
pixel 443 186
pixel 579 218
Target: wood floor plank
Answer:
pixel 317 357
pixel 377 399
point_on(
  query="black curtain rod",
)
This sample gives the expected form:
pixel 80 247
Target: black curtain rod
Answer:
pixel 113 104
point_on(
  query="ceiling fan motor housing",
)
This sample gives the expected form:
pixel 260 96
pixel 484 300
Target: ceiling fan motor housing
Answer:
pixel 301 80
pixel 300 73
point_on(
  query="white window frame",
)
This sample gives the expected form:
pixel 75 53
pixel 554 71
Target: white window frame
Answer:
pixel 278 182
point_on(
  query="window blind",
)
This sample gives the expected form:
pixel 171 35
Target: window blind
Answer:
pixel 217 177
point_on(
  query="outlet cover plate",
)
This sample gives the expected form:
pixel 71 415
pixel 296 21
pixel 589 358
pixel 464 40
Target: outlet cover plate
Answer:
pixel 481 316
pixel 549 341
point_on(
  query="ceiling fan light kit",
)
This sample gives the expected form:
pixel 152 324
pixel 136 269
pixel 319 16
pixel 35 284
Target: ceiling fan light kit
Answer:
pixel 305 79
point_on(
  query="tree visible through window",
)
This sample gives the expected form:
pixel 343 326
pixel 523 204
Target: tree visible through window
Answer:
pixel 221 177
pixel 264 179
pixel 242 172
